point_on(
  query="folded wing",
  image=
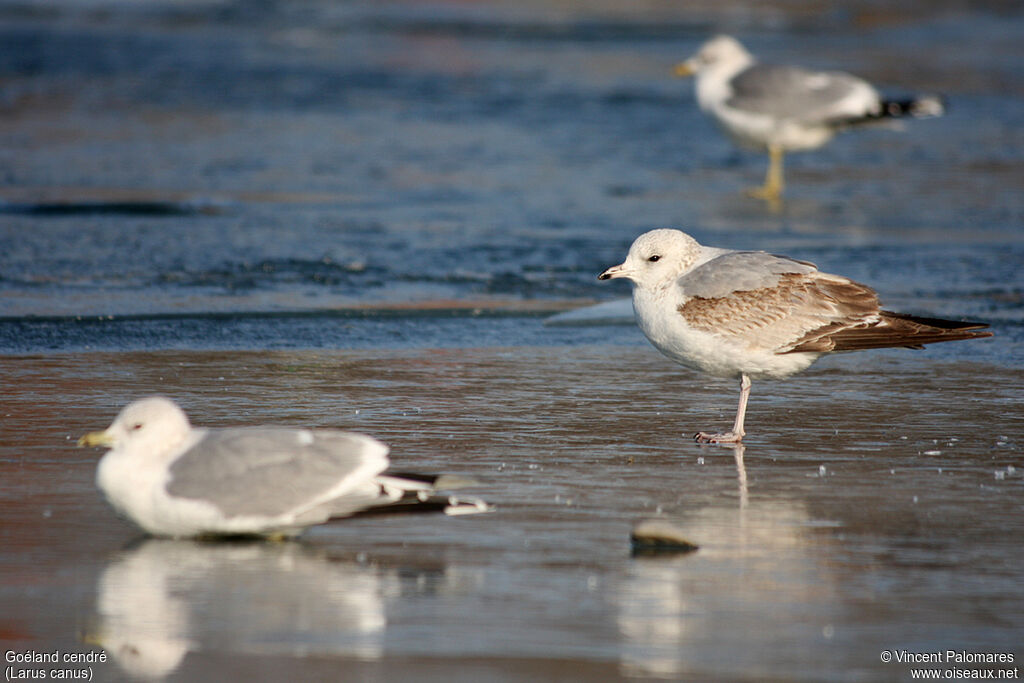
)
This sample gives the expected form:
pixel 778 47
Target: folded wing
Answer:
pixel 762 300
pixel 797 94
pixel 269 472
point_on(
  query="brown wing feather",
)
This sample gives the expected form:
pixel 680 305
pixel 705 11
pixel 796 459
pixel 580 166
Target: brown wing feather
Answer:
pixel 819 313
pixel 797 310
pixel 892 330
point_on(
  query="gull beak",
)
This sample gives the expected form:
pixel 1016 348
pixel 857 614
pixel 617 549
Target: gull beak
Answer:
pixel 614 272
pixel 94 638
pixel 103 438
pixel 684 69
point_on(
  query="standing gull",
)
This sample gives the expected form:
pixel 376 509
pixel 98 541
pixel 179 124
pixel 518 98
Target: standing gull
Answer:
pixel 785 108
pixel 745 314
pixel 175 480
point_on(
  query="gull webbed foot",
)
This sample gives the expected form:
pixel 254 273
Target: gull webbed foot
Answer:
pixel 723 438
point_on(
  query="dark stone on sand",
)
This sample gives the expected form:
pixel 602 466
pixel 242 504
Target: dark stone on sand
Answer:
pixel 657 536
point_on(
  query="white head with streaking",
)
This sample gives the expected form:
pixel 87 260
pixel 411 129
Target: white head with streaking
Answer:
pixel 745 314
pixel 656 258
pixel 717 61
pixel 150 428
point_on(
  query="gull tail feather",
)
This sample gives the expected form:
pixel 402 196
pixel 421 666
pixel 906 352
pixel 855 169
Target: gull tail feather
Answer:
pixel 412 503
pixel 413 493
pixel 925 106
pixel 922 107
pixel 893 330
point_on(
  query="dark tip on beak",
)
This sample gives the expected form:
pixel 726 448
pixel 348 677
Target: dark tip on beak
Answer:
pixel 614 271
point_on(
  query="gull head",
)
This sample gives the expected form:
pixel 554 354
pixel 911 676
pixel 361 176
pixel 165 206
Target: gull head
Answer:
pixel 149 425
pixel 656 257
pixel 721 53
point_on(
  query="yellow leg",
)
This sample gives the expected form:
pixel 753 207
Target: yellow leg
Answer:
pixel 773 183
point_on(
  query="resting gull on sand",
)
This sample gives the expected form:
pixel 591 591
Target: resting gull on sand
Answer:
pixel 745 314
pixel 786 108
pixel 176 480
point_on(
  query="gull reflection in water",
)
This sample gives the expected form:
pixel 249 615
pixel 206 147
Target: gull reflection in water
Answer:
pixel 757 583
pixel 162 599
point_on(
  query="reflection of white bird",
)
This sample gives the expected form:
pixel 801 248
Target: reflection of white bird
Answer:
pixel 174 480
pixel 142 621
pixel 750 314
pixel 686 617
pixel 785 108
pixel 162 599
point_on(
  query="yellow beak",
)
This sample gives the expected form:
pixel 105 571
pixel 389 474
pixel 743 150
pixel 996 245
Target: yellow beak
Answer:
pixel 96 439
pixel 684 69
pixel 92 638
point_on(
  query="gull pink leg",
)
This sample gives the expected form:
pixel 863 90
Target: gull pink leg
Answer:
pixel 736 434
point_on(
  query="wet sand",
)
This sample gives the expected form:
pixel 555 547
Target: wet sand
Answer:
pixel 877 505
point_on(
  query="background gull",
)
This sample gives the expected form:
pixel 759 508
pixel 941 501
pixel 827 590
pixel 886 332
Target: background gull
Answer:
pixel 175 480
pixel 751 314
pixel 785 108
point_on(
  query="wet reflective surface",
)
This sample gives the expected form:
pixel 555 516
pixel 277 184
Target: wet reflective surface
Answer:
pixel 361 216
pixel 889 517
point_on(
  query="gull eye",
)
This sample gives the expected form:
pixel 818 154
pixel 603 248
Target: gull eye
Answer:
pixel 137 426
pixel 654 258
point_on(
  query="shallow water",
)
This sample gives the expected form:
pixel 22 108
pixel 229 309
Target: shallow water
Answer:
pixel 362 216
pixel 890 519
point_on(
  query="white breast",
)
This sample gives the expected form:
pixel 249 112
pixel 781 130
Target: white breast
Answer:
pixel 714 354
